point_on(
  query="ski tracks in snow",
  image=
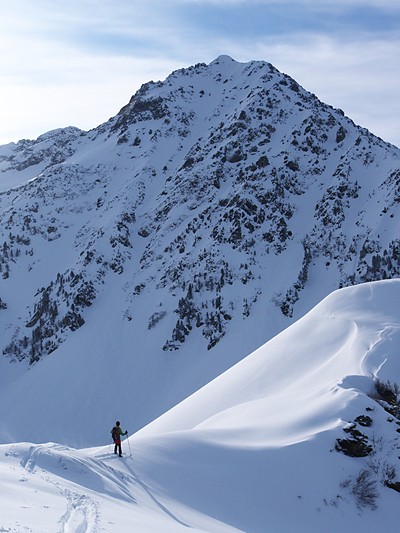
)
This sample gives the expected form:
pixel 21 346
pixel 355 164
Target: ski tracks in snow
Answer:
pixel 157 502
pixel 132 477
pixel 78 478
pixel 82 512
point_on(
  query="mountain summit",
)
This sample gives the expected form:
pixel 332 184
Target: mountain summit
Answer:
pixel 141 259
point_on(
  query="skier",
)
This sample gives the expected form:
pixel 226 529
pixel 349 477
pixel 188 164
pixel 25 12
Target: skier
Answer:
pixel 116 433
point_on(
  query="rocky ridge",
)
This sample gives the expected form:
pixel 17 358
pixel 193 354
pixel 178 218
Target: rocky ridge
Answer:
pixel 224 189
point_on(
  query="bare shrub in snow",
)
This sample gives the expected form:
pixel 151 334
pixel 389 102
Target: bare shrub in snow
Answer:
pixel 365 490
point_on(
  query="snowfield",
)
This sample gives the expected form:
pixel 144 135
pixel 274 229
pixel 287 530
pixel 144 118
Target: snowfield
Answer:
pixel 143 261
pixel 252 451
pixel 144 258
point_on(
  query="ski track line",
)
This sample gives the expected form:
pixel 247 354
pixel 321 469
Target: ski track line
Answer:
pixel 153 498
pixel 82 513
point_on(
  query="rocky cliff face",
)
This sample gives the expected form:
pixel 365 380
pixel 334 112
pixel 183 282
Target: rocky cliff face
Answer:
pixel 224 191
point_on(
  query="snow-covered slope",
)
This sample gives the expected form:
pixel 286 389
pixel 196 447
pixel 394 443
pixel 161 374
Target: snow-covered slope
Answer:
pixel 141 259
pixel 256 450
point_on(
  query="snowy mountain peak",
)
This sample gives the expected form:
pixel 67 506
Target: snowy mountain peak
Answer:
pixel 142 261
pixel 212 211
pixel 222 59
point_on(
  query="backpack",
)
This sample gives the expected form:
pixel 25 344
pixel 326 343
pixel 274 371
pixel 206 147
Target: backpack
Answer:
pixel 114 433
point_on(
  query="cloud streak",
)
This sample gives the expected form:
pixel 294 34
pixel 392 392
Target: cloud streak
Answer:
pixel 78 62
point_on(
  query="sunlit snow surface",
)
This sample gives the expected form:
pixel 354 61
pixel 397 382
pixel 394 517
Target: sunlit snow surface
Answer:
pixel 252 451
pixel 123 227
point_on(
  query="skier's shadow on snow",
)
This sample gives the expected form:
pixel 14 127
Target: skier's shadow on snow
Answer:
pixel 151 495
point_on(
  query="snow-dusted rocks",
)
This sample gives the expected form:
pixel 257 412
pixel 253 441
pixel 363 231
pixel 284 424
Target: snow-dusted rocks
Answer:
pixel 212 211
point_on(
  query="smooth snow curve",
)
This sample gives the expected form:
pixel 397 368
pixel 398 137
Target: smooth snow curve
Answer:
pixel 253 451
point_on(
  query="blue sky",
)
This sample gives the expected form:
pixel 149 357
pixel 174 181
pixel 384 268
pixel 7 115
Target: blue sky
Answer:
pixel 78 62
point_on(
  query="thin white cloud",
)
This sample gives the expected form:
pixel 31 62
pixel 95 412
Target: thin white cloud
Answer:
pixel 50 77
pixel 78 62
pixel 83 94
pixel 387 4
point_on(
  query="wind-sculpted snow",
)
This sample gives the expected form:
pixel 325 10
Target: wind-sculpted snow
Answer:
pixel 255 450
pixel 213 210
pixel 290 381
pixel 260 438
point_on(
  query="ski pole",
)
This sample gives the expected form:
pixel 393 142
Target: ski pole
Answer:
pixel 129 446
pixel 111 443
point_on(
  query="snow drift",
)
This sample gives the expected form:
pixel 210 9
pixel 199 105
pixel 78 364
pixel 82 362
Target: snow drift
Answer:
pixel 253 451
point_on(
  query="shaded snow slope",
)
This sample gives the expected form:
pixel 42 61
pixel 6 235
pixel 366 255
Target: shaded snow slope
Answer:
pixel 263 434
pixel 141 259
pixel 252 451
pixel 348 334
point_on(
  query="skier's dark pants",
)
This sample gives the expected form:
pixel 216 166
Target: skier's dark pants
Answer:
pixel 118 445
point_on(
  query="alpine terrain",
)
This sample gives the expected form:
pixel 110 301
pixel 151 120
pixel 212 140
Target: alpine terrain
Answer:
pixel 301 436
pixel 143 258
pixel 223 212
